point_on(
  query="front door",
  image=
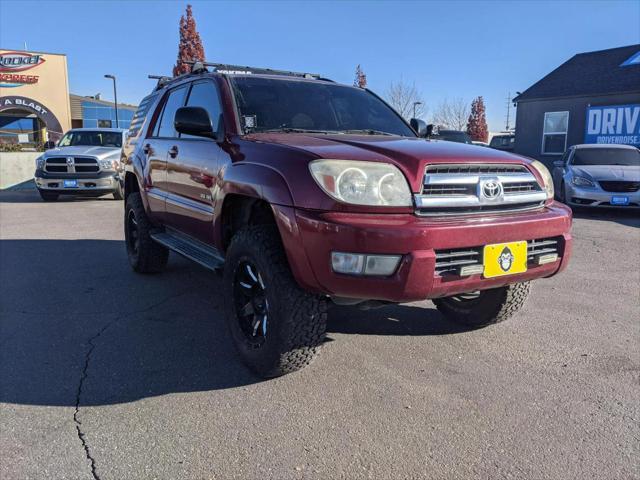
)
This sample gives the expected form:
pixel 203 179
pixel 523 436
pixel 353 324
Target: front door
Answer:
pixel 192 168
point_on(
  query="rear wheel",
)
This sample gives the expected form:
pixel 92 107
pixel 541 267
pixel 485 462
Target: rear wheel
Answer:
pixel 478 309
pixel 276 326
pixel 48 196
pixel 145 255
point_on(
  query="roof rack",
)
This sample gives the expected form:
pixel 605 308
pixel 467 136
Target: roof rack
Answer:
pixel 201 67
pixel 162 80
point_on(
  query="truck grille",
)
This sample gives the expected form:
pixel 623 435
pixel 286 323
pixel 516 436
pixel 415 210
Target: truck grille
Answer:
pixel 619 186
pixel 450 261
pixel 76 165
pixel 459 189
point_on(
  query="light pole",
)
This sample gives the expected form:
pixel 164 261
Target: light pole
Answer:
pixel 115 97
pixel 415 104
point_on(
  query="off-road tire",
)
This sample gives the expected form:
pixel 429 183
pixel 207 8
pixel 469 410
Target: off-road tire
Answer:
pixel 118 193
pixel 492 306
pixel 297 319
pixel 48 196
pixel 150 257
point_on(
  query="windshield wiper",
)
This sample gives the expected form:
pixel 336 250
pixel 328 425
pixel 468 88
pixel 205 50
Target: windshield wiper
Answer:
pixel 293 130
pixel 367 131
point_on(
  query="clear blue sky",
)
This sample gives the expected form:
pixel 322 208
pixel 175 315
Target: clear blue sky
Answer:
pixel 449 49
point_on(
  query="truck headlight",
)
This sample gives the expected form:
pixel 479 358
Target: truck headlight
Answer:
pixel 108 164
pixel 582 182
pixel 40 162
pixel 362 183
pixel 546 178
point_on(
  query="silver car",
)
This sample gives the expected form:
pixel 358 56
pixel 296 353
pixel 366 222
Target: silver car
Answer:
pixel 599 176
pixel 86 161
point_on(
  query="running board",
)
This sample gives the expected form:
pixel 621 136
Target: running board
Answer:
pixel 203 254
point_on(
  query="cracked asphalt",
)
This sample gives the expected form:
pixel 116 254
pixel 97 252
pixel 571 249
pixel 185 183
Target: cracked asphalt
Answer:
pixel 108 374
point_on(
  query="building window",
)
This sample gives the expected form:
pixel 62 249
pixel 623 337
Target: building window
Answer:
pixel 104 123
pixel 554 133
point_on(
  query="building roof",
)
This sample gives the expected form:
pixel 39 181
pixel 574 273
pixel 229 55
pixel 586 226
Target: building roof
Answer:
pixel 76 102
pixel 591 73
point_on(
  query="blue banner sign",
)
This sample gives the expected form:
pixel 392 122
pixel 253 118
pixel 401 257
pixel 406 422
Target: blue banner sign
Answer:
pixel 613 124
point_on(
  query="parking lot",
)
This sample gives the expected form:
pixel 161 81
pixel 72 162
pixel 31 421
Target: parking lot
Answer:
pixel 108 374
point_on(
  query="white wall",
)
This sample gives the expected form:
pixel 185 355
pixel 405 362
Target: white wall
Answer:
pixel 16 167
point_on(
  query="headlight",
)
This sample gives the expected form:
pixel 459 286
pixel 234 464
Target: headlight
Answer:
pixel 546 178
pixel 362 183
pixel 40 162
pixel 108 164
pixel 582 182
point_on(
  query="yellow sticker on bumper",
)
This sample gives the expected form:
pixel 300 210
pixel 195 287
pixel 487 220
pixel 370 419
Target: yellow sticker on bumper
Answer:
pixel 505 259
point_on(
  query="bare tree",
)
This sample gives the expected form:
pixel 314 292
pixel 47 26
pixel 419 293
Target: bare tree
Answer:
pixel 452 113
pixel 403 96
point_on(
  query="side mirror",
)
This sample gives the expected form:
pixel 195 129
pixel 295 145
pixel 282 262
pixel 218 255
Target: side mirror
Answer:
pixel 194 121
pixel 419 126
pixel 429 130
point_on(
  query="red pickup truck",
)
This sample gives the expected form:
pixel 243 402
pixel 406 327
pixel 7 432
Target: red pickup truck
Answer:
pixel 304 192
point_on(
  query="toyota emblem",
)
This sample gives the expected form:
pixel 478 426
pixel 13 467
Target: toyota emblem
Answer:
pixel 491 189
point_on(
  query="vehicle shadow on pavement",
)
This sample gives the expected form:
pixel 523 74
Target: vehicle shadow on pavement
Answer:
pixel 79 328
pixel 391 320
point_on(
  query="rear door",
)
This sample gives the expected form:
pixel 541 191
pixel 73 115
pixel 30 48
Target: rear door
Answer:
pixel 193 165
pixel 156 148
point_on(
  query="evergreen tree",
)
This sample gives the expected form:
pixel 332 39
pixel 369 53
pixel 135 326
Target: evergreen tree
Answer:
pixel 190 47
pixel 477 123
pixel 361 78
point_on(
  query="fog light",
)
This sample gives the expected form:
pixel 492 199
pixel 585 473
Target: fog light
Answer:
pixel 548 258
pixel 381 264
pixel 359 264
pixel 351 263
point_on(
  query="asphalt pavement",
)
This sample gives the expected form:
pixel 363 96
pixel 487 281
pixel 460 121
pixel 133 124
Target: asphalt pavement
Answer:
pixel 108 374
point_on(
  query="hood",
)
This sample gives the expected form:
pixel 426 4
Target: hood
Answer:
pixel 411 155
pixel 607 172
pixel 82 150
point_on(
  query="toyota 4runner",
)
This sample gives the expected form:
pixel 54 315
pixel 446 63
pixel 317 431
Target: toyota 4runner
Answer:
pixel 303 192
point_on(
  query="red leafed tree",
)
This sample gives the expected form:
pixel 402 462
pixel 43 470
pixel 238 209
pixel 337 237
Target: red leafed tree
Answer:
pixel 477 123
pixel 361 78
pixel 190 46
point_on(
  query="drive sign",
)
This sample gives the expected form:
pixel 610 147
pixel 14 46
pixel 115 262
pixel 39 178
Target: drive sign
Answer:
pixel 613 124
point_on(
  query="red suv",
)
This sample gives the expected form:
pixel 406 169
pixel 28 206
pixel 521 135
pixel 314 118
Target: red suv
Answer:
pixel 305 192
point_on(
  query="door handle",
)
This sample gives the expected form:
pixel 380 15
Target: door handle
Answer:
pixel 146 149
pixel 173 151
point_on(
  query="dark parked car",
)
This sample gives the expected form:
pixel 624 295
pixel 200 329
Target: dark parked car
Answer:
pixel 452 136
pixel 305 192
pixel 599 176
pixel 503 142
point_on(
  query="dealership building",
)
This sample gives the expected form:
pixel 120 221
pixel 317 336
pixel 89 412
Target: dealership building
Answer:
pixel 35 104
pixel 594 97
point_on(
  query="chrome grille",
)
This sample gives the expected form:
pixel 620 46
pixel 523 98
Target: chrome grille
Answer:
pixel 71 165
pixel 541 247
pixel 458 189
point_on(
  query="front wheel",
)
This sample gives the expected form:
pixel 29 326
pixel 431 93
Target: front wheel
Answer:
pixel 479 309
pixel 276 326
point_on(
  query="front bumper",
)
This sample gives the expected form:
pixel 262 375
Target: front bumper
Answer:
pixel 417 239
pixel 597 197
pixel 98 183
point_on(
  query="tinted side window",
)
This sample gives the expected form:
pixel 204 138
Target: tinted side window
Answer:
pixel 140 115
pixel 176 100
pixel 205 95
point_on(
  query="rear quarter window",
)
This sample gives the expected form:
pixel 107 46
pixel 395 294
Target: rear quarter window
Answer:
pixel 141 114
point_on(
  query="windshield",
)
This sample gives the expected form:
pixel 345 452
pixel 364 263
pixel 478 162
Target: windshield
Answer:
pixel 606 156
pixel 453 136
pixel 267 104
pixel 91 138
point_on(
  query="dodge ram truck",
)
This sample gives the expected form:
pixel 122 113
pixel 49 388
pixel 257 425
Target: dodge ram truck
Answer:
pixel 303 192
